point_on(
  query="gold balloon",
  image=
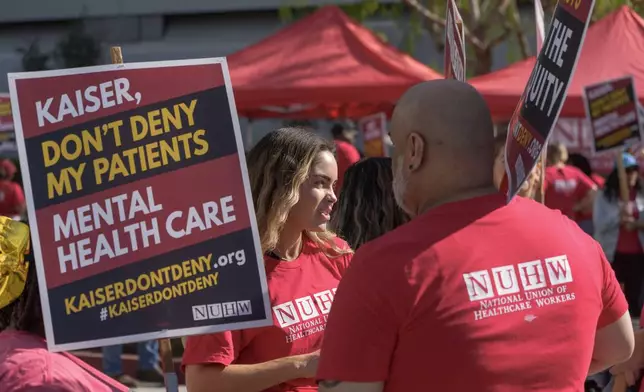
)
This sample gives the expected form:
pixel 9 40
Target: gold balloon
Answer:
pixel 14 245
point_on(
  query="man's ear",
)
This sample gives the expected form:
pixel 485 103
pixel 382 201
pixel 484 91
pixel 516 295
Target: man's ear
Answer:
pixel 415 151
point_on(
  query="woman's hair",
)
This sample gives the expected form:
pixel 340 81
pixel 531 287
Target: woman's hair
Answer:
pixel 556 153
pixel 367 208
pixel 25 314
pixel 580 162
pixel 499 143
pixel 277 166
pixel 611 187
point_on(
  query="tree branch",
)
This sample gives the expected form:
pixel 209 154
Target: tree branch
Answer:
pixel 501 37
pixel 515 26
pixel 504 6
pixel 437 20
pixel 476 10
pixel 425 12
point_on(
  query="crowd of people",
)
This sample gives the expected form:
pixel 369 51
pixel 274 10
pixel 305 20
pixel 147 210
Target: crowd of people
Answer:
pixel 436 281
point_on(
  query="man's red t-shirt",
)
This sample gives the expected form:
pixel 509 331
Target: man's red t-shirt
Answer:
pixel 347 155
pixel 12 198
pixel 473 295
pixel 565 187
pixel 301 292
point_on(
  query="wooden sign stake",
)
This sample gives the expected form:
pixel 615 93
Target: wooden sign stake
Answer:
pixel 165 346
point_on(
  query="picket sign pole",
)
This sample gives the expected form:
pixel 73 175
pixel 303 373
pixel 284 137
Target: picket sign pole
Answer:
pixel 171 379
pixel 165 347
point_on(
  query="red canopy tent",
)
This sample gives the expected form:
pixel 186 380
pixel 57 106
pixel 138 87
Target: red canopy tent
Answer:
pixel 324 65
pixel 614 47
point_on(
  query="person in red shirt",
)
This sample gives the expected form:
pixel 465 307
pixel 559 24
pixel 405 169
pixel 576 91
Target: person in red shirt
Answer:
pixel 9 167
pixel 473 293
pixel 292 175
pixel 346 153
pixel 568 189
pixel 25 362
pixel 585 217
pixel 12 198
pixel 620 230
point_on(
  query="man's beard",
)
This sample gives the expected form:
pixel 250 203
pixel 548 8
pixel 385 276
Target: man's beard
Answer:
pixel 400 185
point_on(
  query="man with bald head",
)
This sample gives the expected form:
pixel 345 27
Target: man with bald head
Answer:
pixel 473 293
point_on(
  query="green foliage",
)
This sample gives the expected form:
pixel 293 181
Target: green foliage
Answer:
pixel 78 49
pixel 33 59
pixel 295 9
pixel 602 7
pixel 486 29
pixel 605 7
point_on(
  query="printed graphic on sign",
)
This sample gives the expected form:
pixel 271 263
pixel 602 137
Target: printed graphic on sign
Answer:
pixel 613 113
pixel 304 316
pixel 520 288
pixel 544 96
pixel 374 134
pixel 454 43
pixel 6 121
pixel 139 201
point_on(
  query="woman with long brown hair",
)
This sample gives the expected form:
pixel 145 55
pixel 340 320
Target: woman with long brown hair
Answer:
pixel 367 208
pixel 292 175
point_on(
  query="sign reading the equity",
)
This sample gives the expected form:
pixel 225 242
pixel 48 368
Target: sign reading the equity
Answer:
pixel 612 110
pixel 374 134
pixel 543 97
pixel 454 43
pixel 139 202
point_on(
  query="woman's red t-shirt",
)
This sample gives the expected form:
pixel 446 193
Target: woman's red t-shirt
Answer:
pixel 599 181
pixel 628 242
pixel 301 292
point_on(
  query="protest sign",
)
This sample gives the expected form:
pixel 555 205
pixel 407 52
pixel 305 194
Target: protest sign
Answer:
pixel 6 122
pixel 612 110
pixel 540 36
pixel 139 202
pixel 374 134
pixel 543 97
pixel 454 43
